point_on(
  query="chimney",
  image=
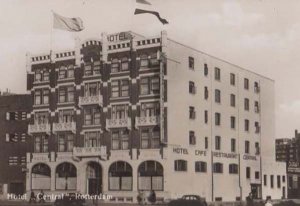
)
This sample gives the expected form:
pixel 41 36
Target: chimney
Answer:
pixel 296 133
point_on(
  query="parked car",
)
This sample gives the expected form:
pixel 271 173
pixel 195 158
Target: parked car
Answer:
pixel 188 200
pixel 69 200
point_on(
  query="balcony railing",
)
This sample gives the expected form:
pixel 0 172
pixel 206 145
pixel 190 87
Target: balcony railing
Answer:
pixel 118 123
pixel 90 100
pixel 90 151
pixel 39 128
pixel 64 127
pixel 146 121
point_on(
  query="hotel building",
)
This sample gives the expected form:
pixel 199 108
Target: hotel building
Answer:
pixel 126 113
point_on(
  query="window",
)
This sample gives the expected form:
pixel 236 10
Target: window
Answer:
pixel 200 166
pixel 278 181
pixel 92 139
pixel 246 104
pixel 217 96
pixel 120 176
pixel 256 87
pixel 120 139
pixel 150 138
pixel 180 165
pixel 66 72
pixel 283 178
pixel 217 74
pixel 206 142
pixel 265 180
pixel 217 119
pixel 150 176
pixel 233 145
pixel 192 113
pixel 205 93
pixel 119 111
pixel 256 107
pixel 191 63
pixel 257 148
pixel 247 147
pixel 41 118
pixel 257 175
pixel 92 89
pixel 41 75
pixel 23 115
pixel 149 85
pixel 92 68
pixel 205 116
pixel 11 116
pixel 246 125
pixel 41 96
pixel 41 143
pixel 192 88
pixel 192 138
pixel 120 88
pixel 217 142
pixel 65 116
pixel 150 109
pixel 66 94
pixel 205 70
pixel 246 83
pixel 115 65
pixel 272 181
pixel 65 142
pixel 92 116
pixel 233 169
pixel 12 160
pixel 218 167
pixel 248 172
pixel 232 79
pixel 154 62
pixel 257 127
pixel 144 62
pixel 232 100
pixel 232 122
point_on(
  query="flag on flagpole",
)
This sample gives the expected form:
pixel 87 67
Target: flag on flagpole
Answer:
pixel 68 24
pixel 142 11
pixel 149 11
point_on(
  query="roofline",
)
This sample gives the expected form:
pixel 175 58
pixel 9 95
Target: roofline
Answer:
pixel 220 59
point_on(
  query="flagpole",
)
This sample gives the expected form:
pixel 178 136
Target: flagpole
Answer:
pixel 51 36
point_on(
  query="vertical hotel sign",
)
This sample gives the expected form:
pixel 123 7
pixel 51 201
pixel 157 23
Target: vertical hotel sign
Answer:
pixel 162 57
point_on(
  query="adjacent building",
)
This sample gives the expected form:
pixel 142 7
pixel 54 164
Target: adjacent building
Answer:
pixel 13 142
pixel 288 150
pixel 127 113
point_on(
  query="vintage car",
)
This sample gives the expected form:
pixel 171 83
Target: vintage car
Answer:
pixel 188 200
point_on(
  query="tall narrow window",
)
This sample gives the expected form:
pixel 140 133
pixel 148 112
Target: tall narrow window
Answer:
pixel 232 100
pixel 246 83
pixel 217 74
pixel 272 181
pixel 192 88
pixel 232 79
pixel 246 104
pixel 246 125
pixel 192 113
pixel 191 63
pixel 265 180
pixel 232 122
pixel 217 96
pixel 256 87
pixel 256 106
pixel 120 139
pixel 192 138
pixel 247 147
pixel 206 142
pixel 205 116
pixel 248 172
pixel 233 145
pixel 217 119
pixel 217 142
pixel 205 93
pixel 205 70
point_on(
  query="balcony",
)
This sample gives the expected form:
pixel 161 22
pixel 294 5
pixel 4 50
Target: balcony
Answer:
pixel 39 128
pixel 146 121
pixel 90 152
pixel 90 100
pixel 64 127
pixel 118 123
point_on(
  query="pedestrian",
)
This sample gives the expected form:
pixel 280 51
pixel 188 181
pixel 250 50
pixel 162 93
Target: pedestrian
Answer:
pixel 152 197
pixel 32 197
pixel 41 197
pixel 249 200
pixel 140 198
pixel 268 201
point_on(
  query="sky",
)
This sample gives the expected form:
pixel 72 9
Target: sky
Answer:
pixel 260 35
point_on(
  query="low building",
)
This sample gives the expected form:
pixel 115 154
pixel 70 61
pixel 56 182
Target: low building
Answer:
pixel 13 142
pixel 288 150
pixel 120 115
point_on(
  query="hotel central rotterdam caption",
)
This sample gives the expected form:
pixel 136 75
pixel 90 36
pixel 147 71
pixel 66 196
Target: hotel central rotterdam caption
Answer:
pixel 119 115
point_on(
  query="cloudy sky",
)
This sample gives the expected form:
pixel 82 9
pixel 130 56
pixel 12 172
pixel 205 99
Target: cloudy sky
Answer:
pixel 260 35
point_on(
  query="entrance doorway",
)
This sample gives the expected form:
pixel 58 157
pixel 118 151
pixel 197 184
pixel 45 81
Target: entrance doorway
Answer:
pixel 16 188
pixel 256 191
pixel 94 178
